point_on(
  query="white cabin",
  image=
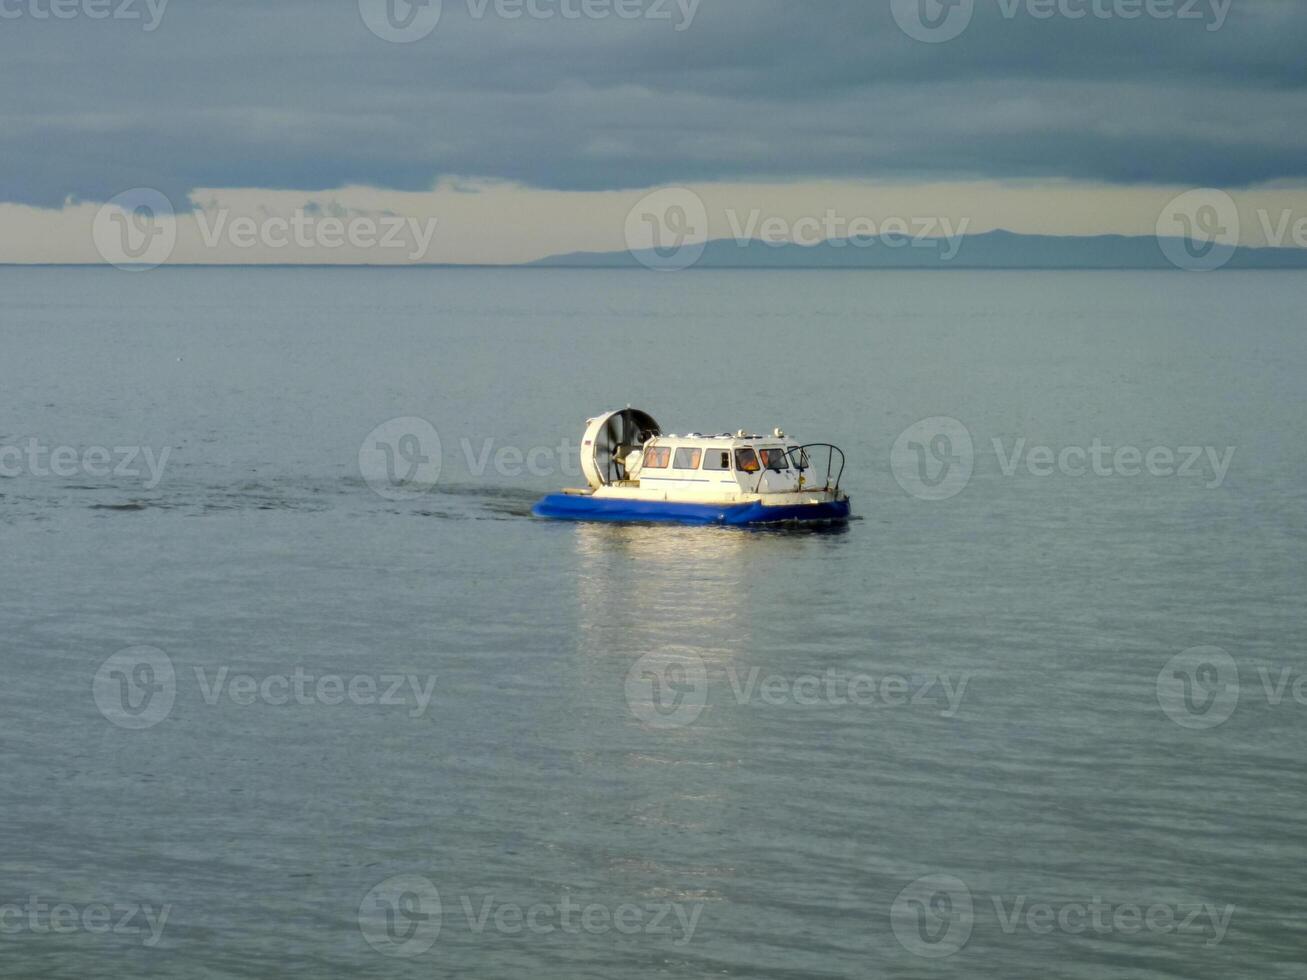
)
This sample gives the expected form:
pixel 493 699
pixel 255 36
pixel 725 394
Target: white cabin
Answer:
pixel 624 455
pixel 741 464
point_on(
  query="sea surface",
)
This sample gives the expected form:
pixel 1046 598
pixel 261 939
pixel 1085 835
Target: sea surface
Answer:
pixel 269 710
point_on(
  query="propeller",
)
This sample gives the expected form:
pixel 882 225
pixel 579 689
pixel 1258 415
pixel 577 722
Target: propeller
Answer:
pixel 622 433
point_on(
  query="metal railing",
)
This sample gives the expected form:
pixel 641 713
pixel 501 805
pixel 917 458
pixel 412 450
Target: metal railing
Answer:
pixel 802 462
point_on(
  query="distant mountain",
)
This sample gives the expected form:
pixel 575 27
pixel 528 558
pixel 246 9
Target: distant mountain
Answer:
pixel 991 250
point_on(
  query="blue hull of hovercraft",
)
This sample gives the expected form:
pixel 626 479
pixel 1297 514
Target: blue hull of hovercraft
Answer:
pixel 576 507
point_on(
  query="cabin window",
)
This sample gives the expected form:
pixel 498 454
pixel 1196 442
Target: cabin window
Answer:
pixel 717 459
pixel 657 457
pixel 746 461
pixel 774 459
pixel 687 458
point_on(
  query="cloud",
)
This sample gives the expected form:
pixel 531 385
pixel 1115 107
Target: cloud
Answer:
pixel 301 95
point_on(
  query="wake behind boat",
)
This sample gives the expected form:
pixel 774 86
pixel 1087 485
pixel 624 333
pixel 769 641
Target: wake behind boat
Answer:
pixel 636 473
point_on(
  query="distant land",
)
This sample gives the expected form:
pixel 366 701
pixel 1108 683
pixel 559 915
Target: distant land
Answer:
pixel 990 250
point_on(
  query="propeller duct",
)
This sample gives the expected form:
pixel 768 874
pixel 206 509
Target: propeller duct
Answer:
pixel 609 439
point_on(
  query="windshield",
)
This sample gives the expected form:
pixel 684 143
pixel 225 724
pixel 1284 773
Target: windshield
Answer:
pixel 746 461
pixel 774 459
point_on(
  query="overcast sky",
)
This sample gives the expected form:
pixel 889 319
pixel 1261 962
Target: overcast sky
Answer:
pixel 202 100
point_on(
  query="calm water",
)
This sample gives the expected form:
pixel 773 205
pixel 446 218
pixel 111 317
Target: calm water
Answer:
pixel 935 744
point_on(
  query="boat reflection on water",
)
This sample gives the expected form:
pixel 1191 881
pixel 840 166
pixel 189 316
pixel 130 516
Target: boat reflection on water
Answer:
pixel 673 607
pixel 642 587
pixel 667 616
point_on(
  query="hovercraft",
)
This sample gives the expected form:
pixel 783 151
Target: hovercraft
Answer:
pixel 636 473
